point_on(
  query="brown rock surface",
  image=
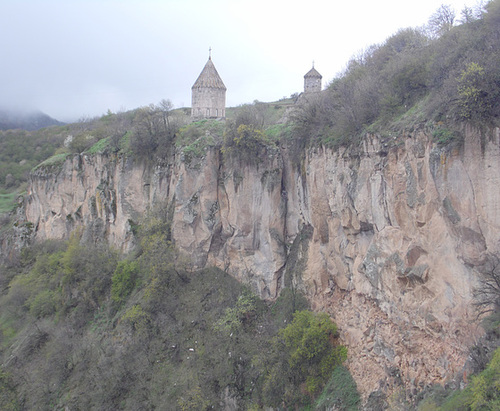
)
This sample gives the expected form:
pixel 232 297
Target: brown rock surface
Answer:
pixel 395 235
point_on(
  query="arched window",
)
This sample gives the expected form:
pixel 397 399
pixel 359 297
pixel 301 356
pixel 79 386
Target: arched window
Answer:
pixel 216 112
pixel 208 112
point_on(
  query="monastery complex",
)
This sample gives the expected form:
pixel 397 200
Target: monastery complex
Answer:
pixel 208 94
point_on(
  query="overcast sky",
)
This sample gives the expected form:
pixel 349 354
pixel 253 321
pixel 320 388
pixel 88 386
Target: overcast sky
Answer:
pixel 79 58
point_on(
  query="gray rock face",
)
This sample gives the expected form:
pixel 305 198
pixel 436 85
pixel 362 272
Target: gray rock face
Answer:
pixel 385 240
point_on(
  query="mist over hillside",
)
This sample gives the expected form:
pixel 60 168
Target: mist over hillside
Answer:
pixel 30 120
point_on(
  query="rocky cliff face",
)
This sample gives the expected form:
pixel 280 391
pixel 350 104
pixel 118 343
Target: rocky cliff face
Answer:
pixel 388 240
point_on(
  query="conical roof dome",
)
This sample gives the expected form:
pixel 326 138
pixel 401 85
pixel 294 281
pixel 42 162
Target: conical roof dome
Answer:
pixel 209 77
pixel 313 73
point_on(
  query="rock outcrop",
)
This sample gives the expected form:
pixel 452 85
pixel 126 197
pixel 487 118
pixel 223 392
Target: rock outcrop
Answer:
pixel 386 238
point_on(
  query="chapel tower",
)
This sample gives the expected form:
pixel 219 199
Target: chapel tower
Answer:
pixel 208 94
pixel 312 81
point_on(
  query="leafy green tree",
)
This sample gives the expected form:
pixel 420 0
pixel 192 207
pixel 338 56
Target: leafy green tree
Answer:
pixel 309 340
pixel 474 99
pixel 485 387
pixel 303 358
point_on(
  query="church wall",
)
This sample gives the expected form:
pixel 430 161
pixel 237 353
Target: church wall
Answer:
pixel 208 102
pixel 312 84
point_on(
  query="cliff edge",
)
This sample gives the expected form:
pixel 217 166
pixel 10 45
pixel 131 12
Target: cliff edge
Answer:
pixel 388 238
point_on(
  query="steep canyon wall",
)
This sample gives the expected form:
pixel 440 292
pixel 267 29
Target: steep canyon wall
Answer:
pixel 387 239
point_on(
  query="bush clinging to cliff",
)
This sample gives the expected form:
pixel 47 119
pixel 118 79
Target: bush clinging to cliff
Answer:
pixel 303 358
pixel 482 393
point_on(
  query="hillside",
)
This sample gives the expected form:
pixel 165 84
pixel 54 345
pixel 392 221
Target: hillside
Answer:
pixel 25 120
pixel 175 262
pixel 91 331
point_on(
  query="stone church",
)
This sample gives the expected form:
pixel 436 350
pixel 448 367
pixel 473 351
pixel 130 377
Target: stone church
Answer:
pixel 312 81
pixel 208 94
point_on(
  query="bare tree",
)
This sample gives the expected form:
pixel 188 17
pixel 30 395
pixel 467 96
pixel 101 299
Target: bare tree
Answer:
pixel 487 293
pixel 442 20
pixel 165 107
pixel 467 15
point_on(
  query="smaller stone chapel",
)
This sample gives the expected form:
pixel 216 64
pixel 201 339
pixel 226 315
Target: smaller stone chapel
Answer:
pixel 312 81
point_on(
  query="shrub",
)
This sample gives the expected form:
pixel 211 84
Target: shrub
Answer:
pixel 245 141
pixel 86 282
pixel 44 304
pixel 474 101
pixel 154 128
pixel 195 138
pixel 443 135
pixel 483 392
pixel 193 400
pixel 340 392
pixel 137 318
pixel 8 395
pixel 308 338
pixel 100 146
pixel 54 161
pixel 123 280
pixel 81 142
pixel 485 387
pixel 239 315
pixel 303 358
